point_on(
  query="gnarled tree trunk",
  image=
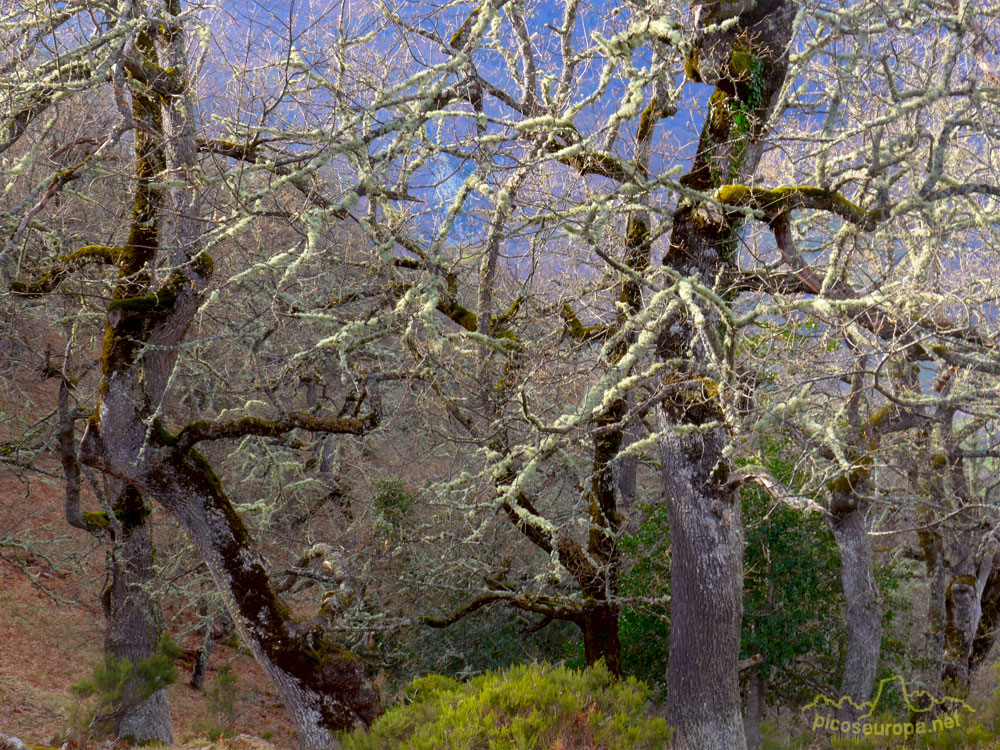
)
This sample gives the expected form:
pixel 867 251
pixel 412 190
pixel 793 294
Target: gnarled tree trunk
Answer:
pixel 323 687
pixel 747 63
pixel 970 611
pixel 133 620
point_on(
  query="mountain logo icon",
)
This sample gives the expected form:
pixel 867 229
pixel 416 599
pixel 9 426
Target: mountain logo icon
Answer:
pixel 925 712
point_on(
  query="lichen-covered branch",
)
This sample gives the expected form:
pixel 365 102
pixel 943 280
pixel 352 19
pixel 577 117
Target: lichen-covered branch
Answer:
pixel 92 523
pixel 86 255
pixel 781 201
pixel 575 328
pixel 38 102
pixel 196 432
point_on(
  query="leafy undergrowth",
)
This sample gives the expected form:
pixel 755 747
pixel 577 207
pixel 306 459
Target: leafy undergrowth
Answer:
pixel 527 707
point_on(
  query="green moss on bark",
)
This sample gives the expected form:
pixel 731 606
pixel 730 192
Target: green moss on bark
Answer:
pixel 646 121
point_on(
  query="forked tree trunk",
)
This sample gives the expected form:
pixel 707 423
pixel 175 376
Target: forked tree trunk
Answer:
pixel 963 586
pixel 747 63
pixel 970 606
pixel 132 614
pixel 162 276
pixel 324 687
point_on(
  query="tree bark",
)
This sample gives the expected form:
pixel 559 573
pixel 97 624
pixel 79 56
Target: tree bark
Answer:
pixel 132 614
pixel 963 607
pixel 324 688
pixel 754 715
pixel 600 638
pixel 864 615
pixel 932 547
pixel 703 696
pixel 970 612
pixel 706 605
pixel 962 612
pixel 133 620
pixel 960 569
pixel 986 633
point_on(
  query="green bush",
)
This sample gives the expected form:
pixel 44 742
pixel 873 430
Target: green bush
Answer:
pixel 393 501
pixel 98 697
pixel 527 707
pixel 222 699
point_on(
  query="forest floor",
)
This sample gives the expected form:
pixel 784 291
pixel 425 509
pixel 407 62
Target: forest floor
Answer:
pixel 51 634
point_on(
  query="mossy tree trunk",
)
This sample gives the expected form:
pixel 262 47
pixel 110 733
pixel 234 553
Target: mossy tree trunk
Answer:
pixel 324 688
pixel 963 604
pixel 747 63
pixel 967 595
pixel 134 627
pixel 132 613
pixel 961 564
pixel 932 547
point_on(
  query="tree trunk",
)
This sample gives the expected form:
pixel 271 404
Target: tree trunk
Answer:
pixel 133 621
pixel 963 607
pixel 703 696
pixel 932 547
pixel 199 667
pixel 986 633
pixel 600 638
pixel 970 612
pixel 962 613
pixel 323 687
pixel 754 715
pixel 132 615
pixel 864 615
pixel 959 567
pixel 706 606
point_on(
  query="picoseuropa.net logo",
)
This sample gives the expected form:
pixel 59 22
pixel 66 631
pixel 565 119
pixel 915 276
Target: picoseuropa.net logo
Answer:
pixel 924 712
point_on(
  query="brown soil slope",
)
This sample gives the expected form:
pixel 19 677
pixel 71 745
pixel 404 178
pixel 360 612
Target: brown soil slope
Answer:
pixel 51 633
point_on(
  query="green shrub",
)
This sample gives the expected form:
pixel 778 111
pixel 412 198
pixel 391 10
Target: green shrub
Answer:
pixel 527 707
pixel 393 501
pixel 222 700
pixel 99 696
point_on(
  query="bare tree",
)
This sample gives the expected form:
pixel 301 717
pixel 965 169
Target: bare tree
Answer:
pixel 163 271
